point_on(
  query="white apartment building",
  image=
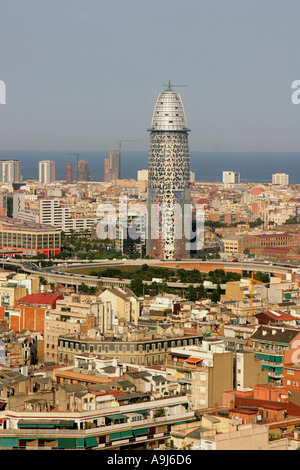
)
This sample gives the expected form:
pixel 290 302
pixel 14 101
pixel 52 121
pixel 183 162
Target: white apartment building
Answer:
pixel 142 175
pixel 47 171
pixel 192 177
pixel 54 214
pixel 231 177
pixel 280 178
pixel 9 171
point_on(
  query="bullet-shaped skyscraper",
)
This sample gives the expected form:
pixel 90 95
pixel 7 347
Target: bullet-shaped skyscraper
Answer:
pixel 168 179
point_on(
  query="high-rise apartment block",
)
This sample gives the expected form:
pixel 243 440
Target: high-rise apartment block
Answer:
pixel 168 179
pixel 82 172
pixel 280 178
pixel 46 171
pixel 112 166
pixel 69 173
pixel 9 171
pixel 231 177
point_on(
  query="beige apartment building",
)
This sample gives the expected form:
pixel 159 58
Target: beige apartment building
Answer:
pixel 15 286
pixel 133 347
pixel 218 433
pixel 232 244
pixel 249 370
pixel 203 372
pixel 73 315
pixel 124 303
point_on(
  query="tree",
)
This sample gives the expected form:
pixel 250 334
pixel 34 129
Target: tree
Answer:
pixel 137 287
pixel 159 413
pixel 216 294
pixel 259 276
pixel 256 223
pixel 43 281
pixel 100 287
pixel 83 288
pixel 192 294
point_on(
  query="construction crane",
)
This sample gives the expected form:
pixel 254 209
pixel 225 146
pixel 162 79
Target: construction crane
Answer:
pixel 133 140
pixel 252 282
pixel 120 142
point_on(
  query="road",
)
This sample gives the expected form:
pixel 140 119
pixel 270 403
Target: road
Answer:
pixel 58 274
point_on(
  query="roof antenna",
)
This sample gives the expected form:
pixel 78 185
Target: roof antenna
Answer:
pixel 169 85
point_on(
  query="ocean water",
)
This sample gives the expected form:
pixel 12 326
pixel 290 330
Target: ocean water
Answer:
pixel 253 167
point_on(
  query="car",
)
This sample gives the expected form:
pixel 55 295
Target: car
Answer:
pixel 121 279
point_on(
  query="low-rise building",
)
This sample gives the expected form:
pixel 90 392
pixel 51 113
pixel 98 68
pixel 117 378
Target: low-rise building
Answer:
pixel 136 347
pixel 138 426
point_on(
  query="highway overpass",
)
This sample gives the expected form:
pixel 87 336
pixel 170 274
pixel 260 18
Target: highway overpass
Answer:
pixel 58 274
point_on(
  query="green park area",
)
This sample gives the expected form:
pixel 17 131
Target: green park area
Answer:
pixel 138 274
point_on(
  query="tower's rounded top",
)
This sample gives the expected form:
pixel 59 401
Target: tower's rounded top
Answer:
pixel 169 113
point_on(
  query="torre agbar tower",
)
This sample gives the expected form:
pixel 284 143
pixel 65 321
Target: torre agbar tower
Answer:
pixel 168 179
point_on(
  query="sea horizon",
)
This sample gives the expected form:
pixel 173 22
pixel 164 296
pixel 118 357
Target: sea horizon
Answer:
pixel 208 165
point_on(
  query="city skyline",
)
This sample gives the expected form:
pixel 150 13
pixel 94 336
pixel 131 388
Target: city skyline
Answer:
pixel 238 60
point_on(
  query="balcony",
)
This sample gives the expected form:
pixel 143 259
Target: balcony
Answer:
pixel 54 434
pixel 276 375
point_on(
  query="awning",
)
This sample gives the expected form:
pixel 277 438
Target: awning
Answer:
pixel 143 412
pixel 116 416
pixel 47 424
pixel 9 442
pixel 140 432
pixel 116 436
pixel 80 442
pixel 28 425
pixel 193 360
pixel 91 442
pixel 126 434
pixel 67 443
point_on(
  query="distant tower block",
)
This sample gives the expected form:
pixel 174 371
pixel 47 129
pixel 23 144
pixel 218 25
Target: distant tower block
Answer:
pixel 69 173
pixel 112 166
pixel 46 171
pixel 231 177
pixel 280 178
pixel 83 173
pixel 168 177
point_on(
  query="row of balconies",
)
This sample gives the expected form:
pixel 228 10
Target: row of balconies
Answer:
pixel 100 430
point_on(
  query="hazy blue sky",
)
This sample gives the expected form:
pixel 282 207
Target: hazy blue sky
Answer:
pixel 84 74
